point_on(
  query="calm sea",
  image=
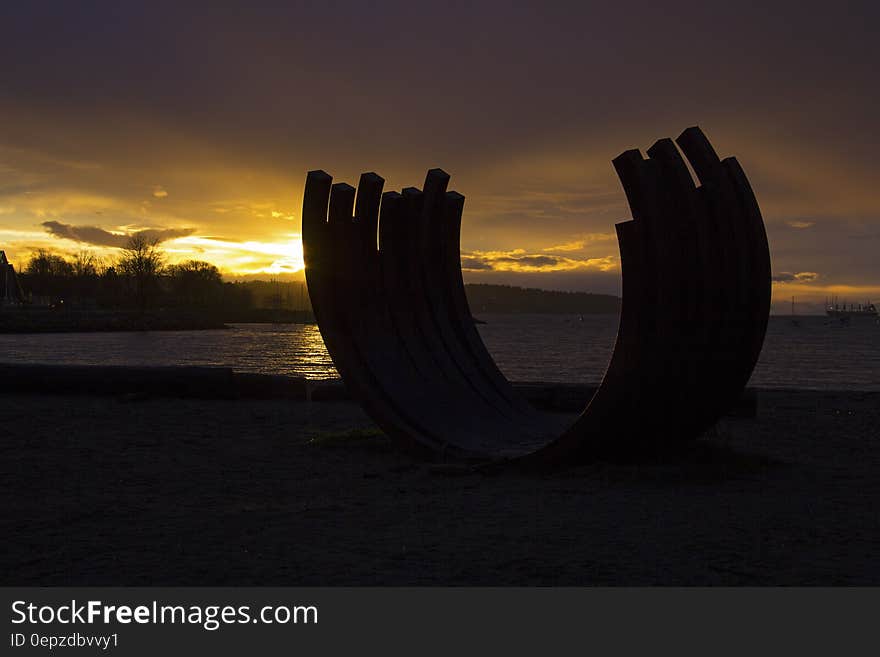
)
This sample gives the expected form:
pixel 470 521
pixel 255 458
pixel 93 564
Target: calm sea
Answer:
pixel 817 354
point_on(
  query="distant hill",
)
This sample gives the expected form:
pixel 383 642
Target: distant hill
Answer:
pixel 279 296
pixel 486 298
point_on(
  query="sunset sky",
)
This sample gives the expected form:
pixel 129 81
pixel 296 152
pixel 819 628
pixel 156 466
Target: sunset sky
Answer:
pixel 199 125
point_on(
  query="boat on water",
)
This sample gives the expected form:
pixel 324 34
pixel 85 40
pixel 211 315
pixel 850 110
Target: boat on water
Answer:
pixel 846 313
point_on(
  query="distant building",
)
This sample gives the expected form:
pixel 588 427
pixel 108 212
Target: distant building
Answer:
pixel 10 289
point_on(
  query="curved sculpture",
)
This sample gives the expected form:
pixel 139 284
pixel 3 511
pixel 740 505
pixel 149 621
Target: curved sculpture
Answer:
pixel 395 319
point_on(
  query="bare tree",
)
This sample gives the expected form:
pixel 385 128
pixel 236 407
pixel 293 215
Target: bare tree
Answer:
pixel 142 262
pixel 84 264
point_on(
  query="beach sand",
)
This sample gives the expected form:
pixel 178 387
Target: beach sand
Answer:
pixel 138 491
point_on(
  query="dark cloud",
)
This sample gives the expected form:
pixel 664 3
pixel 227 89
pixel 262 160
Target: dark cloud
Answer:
pixel 796 277
pixel 508 75
pixel 471 263
pixel 536 261
pixel 101 237
pixel 518 261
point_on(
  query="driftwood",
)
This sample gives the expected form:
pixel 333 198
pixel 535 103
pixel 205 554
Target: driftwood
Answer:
pixel 385 282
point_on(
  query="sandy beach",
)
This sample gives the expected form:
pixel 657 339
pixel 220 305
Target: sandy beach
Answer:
pixel 103 490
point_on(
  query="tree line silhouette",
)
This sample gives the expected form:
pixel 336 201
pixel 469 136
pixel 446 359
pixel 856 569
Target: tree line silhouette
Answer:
pixel 139 278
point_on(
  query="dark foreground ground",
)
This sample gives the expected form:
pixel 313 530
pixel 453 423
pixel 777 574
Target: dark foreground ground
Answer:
pixel 104 491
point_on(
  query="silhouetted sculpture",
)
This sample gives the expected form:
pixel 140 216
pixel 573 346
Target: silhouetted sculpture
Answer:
pixel 395 319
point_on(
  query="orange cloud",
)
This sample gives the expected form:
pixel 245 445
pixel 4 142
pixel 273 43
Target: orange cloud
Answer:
pixel 796 277
pixel 518 260
pixel 582 243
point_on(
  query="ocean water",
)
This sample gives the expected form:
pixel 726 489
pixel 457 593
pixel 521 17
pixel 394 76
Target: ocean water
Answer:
pixel 816 354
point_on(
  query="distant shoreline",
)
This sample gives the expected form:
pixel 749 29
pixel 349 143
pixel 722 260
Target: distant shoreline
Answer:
pixel 48 320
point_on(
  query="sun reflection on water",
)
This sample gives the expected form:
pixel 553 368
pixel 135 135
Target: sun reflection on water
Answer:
pixel 526 348
pixel 309 356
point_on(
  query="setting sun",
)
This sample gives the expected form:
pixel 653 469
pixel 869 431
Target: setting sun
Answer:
pixel 242 258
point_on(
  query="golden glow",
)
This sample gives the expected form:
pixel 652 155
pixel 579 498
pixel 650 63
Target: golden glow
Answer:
pixel 310 355
pixel 276 258
pixel 582 242
pixel 547 206
pixel 811 298
pixel 242 258
pixel 852 293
